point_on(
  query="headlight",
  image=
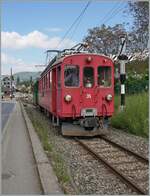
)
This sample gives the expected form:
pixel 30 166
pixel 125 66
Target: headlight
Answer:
pixel 68 98
pixel 109 97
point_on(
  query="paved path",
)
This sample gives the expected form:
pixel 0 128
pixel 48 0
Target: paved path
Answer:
pixel 19 173
pixel 7 108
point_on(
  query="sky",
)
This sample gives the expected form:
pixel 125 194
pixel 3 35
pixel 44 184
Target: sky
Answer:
pixel 29 28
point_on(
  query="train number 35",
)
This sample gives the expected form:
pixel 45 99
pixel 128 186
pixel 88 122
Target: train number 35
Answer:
pixel 88 96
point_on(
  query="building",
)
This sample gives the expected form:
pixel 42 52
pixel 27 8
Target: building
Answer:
pixel 6 85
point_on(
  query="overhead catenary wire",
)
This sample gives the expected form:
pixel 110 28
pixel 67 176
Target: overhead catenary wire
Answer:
pixel 114 11
pixel 120 8
pixel 75 29
pixel 110 11
pixel 75 21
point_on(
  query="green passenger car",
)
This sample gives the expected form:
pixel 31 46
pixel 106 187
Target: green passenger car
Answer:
pixel 35 93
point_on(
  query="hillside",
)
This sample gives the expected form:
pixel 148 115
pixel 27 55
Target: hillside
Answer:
pixel 25 76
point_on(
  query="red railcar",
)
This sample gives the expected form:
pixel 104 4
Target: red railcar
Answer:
pixel 77 90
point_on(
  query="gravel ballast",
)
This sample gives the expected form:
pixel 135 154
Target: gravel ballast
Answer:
pixel 88 176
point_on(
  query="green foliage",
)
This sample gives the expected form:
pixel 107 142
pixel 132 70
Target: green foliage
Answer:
pixel 26 76
pixel 140 66
pixel 26 83
pixel 31 80
pixel 59 168
pixel 42 127
pixel 135 116
pixel 137 83
pixel 42 132
pixel 137 77
pixel 18 80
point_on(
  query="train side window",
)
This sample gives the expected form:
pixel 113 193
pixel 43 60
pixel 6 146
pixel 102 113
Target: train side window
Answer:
pixel 50 80
pixel 43 82
pixel 42 85
pixel 104 76
pixel 71 76
pixel 47 78
pixel 88 77
pixel 59 76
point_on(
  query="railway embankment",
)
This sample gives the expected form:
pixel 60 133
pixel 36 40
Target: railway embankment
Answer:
pixel 47 177
pixel 77 171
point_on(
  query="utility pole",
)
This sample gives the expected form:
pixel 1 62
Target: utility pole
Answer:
pixel 11 91
pixel 122 60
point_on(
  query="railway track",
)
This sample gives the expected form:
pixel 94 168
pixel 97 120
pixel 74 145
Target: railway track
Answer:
pixel 130 167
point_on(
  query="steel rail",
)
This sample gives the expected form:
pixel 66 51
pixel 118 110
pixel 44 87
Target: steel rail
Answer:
pixel 125 179
pixel 142 158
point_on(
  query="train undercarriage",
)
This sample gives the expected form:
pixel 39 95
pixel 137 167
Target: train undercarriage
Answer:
pixel 89 126
pixel 76 130
pixel 84 126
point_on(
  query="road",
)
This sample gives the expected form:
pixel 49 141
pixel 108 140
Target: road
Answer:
pixel 19 172
pixel 7 108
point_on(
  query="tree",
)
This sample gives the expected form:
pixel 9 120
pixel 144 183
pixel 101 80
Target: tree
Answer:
pixel 30 79
pixel 140 12
pixel 23 88
pixel 104 39
pixel 18 80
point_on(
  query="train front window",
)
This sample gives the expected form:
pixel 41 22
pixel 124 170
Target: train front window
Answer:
pixel 71 76
pixel 104 76
pixel 88 77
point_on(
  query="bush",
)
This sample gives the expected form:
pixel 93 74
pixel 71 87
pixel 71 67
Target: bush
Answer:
pixel 135 116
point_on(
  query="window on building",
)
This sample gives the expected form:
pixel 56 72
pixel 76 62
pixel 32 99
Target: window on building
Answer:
pixel 88 77
pixel 71 76
pixel 104 76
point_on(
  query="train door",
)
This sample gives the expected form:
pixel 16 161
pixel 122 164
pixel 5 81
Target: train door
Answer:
pixel 58 88
pixel 88 87
pixel 54 92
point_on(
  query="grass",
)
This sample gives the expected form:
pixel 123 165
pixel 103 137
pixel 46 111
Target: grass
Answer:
pixel 42 128
pixel 135 116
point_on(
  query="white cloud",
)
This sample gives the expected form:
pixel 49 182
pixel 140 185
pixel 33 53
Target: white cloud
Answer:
pixel 5 59
pixel 17 65
pixel 53 29
pixel 36 39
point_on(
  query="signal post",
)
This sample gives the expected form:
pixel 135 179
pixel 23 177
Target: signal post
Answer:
pixel 122 60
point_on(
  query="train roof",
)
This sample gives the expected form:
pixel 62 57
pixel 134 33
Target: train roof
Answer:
pixel 57 59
